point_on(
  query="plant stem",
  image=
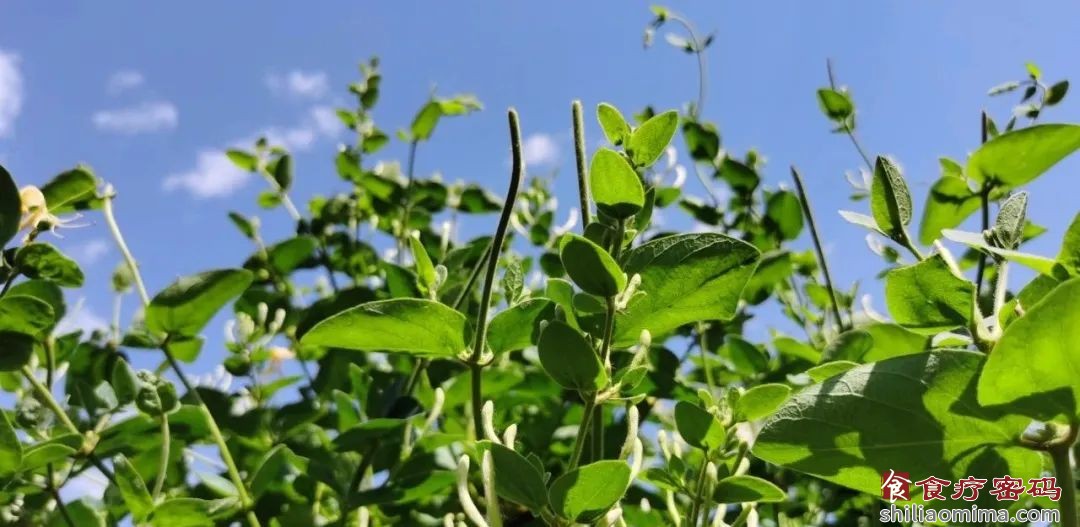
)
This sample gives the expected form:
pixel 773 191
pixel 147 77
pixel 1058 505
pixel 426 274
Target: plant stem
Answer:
pixel 984 198
pixel 47 397
pixel 700 52
pixel 582 170
pixel 697 498
pixel 407 205
pixel 163 463
pixel 61 507
pixel 808 212
pixel 1001 286
pixel 586 417
pixel 905 241
pixel 516 174
pixel 1064 471
pixel 847 127
pixel 110 219
pixel 704 358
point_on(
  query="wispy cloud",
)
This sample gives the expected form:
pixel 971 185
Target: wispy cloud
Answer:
pixel 215 176
pixel 81 317
pixel 300 84
pixel 124 80
pixel 541 150
pixel 141 118
pixel 11 92
pixel 90 252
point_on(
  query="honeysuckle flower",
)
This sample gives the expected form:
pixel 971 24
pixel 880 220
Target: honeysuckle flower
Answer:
pixel 36 215
pixel 487 472
pixel 464 497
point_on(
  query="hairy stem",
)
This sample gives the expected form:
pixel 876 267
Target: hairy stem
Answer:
pixel 1001 286
pixel 516 175
pixel 984 199
pixel 582 170
pixel 46 397
pixel 698 498
pixel 163 463
pixel 808 212
pixel 586 418
pixel 1064 471
pixel 703 349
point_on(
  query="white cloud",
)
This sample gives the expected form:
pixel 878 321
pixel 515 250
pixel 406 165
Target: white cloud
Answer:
pixel 300 84
pixel 215 176
pixel 11 92
pixel 541 150
pixel 124 80
pixel 90 252
pixel 142 118
pixel 81 317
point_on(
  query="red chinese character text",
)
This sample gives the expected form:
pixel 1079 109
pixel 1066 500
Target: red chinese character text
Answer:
pixel 1044 487
pixel 962 486
pixel 1007 488
pixel 933 488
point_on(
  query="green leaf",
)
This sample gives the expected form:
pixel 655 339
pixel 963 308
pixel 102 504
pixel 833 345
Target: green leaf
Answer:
pixel 518 327
pixel 15 350
pixel 41 260
pixel 11 451
pixel 744 489
pixel 409 325
pixel 615 186
pixel 283 172
pixel 516 479
pixel 10 207
pixel 133 489
pixel 1069 255
pixel 47 292
pixel 648 141
pixel 360 437
pixel 762 400
pixel 698 427
pixel 950 202
pixel 836 105
pixel 1017 157
pixel 1038 354
pixel 25 314
pixel 273 470
pixel 784 213
pixel 861 220
pixel 584 494
pixel 1008 229
pixel 613 123
pixel 891 340
pixel 977 241
pixel 915 414
pixel 70 190
pixel 829 370
pixel 52 450
pixel 191 512
pixel 590 266
pixel 186 306
pixel 927 297
pixel 243 160
pixel 569 359
pixel 1056 93
pixel 686 278
pixel 425 270
pixel 286 256
pixel 890 200
pixel 82 514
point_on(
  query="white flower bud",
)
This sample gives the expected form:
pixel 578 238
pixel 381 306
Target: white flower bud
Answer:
pixel 487 471
pixel 631 431
pixel 436 409
pixel 464 497
pixel 261 310
pixel 509 436
pixel 487 416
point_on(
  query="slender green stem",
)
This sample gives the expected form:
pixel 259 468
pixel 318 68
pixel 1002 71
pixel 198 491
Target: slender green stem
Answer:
pixel 847 126
pixel 808 212
pixel 703 349
pixel 586 417
pixel 582 169
pixel 1001 286
pixel 60 506
pixel 984 202
pixel 163 463
pixel 740 520
pixel 476 391
pixel 698 498
pixel 406 202
pixel 1064 471
pixel 905 241
pixel 700 52
pixel 516 175
pixel 46 396
pixel 110 219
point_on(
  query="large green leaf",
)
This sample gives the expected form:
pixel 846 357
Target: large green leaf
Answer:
pixel 1039 354
pixel 743 489
pixel 70 190
pixel 928 297
pixel 516 479
pixel 1069 255
pixel 915 414
pixel 648 142
pixel 584 494
pixel 10 207
pixel 186 306
pixel 409 325
pixel 590 266
pixel 15 350
pixel 133 489
pixel 41 260
pixel 762 400
pixel 191 512
pixel 685 278
pixel 1017 157
pixel 950 202
pixel 10 448
pixel 518 327
pixel 615 186
pixel 25 314
pixel 698 427
pixel 569 359
pixel 612 123
pixel 890 199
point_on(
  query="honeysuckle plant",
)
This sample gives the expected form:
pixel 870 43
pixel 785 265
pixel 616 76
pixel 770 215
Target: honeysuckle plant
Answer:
pixel 575 365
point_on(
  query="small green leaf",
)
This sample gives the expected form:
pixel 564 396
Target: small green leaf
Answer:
pixel 648 142
pixel 950 202
pixel 828 370
pixel 10 207
pixel 273 471
pixel 890 200
pixel 1069 255
pixel 1008 229
pixel 1017 157
pixel 762 400
pixel 15 350
pixel 11 451
pixel 516 479
pixel 613 123
pixel 861 220
pixel 584 494
pixel 425 270
pixel 590 266
pixel 1038 354
pixel 927 297
pixel 836 105
pixel 1056 93
pixel 917 412
pixel 243 160
pixel 81 513
pixel 745 489
pixel 191 512
pixel 43 261
pixel 409 325
pixel 977 241
pixel 686 278
pixel 25 314
pixel 133 489
pixel 70 190
pixel 698 427
pixel 186 306
pixel 283 172
pixel 518 327
pixel 569 359
pixel 784 214
pixel 615 186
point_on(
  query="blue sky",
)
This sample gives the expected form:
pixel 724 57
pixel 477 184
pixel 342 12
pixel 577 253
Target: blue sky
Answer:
pixel 149 94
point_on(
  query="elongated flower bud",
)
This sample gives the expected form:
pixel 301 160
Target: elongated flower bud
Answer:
pixel 464 497
pixel 487 415
pixel 487 471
